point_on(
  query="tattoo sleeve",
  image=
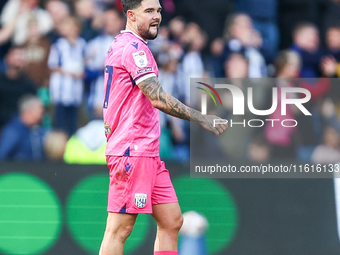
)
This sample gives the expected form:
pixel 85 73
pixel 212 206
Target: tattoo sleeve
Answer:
pixel 153 90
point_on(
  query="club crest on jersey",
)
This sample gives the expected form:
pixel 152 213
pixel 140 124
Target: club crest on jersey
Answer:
pixel 140 200
pixel 140 58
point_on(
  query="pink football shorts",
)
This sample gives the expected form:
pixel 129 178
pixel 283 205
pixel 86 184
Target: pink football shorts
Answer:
pixel 138 183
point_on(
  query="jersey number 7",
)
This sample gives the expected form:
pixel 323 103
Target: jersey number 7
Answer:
pixel 109 70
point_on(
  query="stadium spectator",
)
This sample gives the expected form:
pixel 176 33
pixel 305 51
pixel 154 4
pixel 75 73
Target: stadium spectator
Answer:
pixel 306 43
pixel 90 17
pixel 315 64
pixel 331 63
pixel 22 137
pixel 32 9
pixel 13 84
pixel 95 57
pixel 174 139
pixel 265 22
pixel 192 63
pixel 86 146
pixel 164 48
pixel 66 62
pixel 236 67
pixel 7 30
pixel 176 28
pixel 37 49
pixel 241 37
pixel 215 58
pixel 333 41
pixel 55 144
pixel 329 114
pixel 329 151
pixel 258 149
pixel 59 10
pixel 287 66
pixel 6 33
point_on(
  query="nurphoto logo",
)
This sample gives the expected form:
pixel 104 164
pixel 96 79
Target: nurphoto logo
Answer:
pixel 239 104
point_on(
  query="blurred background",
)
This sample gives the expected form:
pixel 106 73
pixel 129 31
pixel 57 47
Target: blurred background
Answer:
pixel 53 174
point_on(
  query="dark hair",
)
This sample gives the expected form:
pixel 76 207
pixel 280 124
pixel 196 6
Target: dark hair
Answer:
pixel 130 4
pixel 334 25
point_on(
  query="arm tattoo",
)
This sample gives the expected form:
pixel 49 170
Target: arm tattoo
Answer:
pixel 153 90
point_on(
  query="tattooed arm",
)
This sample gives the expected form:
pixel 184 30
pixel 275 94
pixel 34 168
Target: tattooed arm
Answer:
pixel 163 101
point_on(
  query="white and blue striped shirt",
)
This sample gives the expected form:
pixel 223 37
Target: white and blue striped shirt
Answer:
pixel 65 89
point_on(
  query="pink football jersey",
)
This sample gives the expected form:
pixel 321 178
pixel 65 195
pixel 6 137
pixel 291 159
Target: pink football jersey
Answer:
pixel 131 122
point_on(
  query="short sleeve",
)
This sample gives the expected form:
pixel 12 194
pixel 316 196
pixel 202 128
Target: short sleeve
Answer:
pixel 139 62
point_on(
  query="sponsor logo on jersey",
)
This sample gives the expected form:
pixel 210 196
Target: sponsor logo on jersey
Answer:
pixel 144 70
pixel 127 166
pixel 140 59
pixel 135 44
pixel 140 200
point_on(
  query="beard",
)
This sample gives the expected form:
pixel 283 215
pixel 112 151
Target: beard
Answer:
pixel 147 33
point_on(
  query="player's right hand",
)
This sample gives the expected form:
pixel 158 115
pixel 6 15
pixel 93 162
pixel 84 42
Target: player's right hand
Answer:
pixel 208 124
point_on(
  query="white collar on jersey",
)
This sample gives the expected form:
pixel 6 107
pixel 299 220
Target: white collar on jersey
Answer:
pixel 129 31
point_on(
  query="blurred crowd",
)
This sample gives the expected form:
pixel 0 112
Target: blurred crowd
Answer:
pixel 52 71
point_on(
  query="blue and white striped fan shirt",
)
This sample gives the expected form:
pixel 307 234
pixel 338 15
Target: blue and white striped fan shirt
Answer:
pixel 65 89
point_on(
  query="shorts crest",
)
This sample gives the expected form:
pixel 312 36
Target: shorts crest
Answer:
pixel 140 200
